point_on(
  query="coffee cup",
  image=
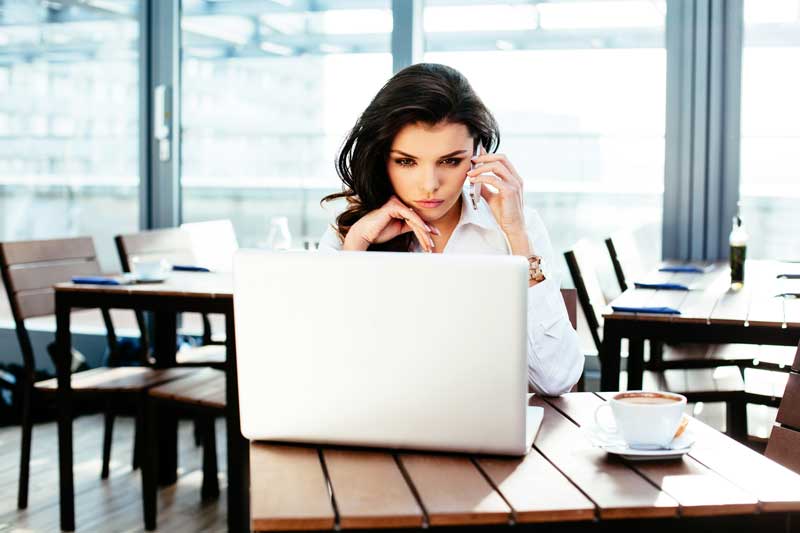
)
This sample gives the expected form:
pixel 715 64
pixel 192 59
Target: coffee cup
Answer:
pixel 646 420
pixel 150 268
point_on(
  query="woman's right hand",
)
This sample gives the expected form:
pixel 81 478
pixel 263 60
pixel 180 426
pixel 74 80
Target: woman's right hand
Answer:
pixel 386 223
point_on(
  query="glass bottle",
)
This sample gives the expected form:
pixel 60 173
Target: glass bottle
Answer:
pixel 738 242
pixel 279 237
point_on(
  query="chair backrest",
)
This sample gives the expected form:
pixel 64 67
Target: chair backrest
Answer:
pixel 31 268
pixel 172 244
pixel 571 301
pixel 213 243
pixel 784 442
pixel 583 269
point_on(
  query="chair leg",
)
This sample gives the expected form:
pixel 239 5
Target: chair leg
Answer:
pixel 210 487
pixel 138 437
pixel 25 455
pixel 198 431
pixel 149 463
pixel 108 433
pixel 736 418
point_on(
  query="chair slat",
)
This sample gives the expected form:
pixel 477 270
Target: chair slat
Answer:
pixel 536 491
pixel 45 276
pixel 784 447
pixel 618 491
pixel 24 252
pixel 370 490
pixel 288 489
pixel 796 364
pixel 123 379
pixel 698 490
pixel 31 304
pixel 453 491
pixel 154 241
pixel 789 411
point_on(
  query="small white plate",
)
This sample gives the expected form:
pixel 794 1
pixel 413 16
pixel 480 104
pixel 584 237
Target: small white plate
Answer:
pixel 140 278
pixel 614 444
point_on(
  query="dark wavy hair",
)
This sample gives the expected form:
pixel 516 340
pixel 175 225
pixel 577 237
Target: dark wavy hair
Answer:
pixel 425 93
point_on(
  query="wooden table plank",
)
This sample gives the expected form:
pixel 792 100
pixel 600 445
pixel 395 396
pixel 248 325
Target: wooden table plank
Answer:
pixel 698 490
pixel 536 491
pixel 699 304
pixel 453 491
pixel 765 309
pixel 370 490
pixel 776 488
pixel 617 490
pixel 288 489
pixel 791 312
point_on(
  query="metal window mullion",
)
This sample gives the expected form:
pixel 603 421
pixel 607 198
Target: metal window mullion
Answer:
pixel 164 67
pixel 145 115
pixel 408 38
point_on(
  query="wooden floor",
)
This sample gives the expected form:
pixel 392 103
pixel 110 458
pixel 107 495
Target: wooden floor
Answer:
pixel 112 505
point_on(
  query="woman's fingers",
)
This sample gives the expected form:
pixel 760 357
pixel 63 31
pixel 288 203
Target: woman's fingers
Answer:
pixel 414 221
pixel 499 169
pixel 501 158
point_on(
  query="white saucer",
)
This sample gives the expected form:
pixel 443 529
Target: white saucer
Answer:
pixel 141 278
pixel 614 444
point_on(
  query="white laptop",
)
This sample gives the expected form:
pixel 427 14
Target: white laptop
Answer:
pixel 394 350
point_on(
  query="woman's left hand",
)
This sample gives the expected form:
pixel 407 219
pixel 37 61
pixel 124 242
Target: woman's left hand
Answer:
pixel 507 203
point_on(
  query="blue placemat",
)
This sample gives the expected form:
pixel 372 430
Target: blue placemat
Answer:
pixel 95 280
pixel 662 286
pixel 189 268
pixel 656 310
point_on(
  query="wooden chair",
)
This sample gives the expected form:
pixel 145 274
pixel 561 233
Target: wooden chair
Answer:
pixel 720 383
pixel 174 245
pixel 29 271
pixel 784 443
pixel 201 396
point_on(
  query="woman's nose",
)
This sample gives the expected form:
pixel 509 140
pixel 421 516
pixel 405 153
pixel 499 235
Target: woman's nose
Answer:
pixel 430 182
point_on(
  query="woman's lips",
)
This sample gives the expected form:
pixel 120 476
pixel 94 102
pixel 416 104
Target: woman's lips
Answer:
pixel 430 203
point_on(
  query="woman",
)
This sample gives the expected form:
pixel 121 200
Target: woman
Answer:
pixel 404 166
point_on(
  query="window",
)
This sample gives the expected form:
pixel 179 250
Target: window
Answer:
pixel 770 150
pixel 269 92
pixel 579 91
pixel 69 121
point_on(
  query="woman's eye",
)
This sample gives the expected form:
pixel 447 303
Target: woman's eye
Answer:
pixel 452 161
pixel 404 162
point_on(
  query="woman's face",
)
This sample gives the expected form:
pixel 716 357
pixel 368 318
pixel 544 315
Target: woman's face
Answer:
pixel 428 165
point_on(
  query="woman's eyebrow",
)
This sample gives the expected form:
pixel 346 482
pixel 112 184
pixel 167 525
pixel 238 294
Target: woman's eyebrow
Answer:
pixel 451 154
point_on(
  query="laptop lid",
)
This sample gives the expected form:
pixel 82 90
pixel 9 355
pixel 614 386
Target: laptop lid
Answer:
pixel 424 351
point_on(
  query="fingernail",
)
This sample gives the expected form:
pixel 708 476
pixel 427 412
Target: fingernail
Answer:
pixel 436 231
pixel 471 179
pixel 427 227
pixel 432 245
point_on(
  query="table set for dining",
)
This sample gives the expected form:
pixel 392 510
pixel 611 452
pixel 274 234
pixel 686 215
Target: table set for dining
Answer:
pixel 568 480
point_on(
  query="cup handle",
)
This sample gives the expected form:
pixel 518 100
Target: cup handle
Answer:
pixel 603 427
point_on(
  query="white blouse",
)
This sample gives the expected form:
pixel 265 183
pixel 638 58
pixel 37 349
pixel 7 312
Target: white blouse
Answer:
pixel 555 362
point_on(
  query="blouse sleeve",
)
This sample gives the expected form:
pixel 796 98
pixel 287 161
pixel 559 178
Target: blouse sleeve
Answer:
pixel 330 241
pixel 555 361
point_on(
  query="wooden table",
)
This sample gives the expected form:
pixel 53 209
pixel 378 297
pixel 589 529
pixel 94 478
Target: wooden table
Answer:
pixel 710 313
pixel 182 292
pixel 564 483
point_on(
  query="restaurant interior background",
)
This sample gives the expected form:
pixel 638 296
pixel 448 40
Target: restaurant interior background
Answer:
pixel 589 102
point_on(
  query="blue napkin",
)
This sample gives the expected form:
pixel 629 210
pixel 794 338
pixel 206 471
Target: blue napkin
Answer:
pixel 662 286
pixel 686 269
pixel 788 276
pixel 95 280
pixel 189 268
pixel 656 310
